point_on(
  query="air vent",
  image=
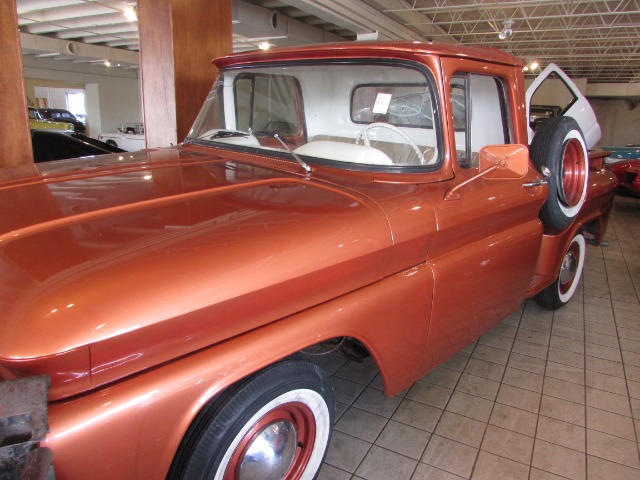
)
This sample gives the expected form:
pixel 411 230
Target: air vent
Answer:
pixel 256 22
pixel 71 48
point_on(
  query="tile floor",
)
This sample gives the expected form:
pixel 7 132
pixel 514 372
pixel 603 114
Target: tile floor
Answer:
pixel 543 395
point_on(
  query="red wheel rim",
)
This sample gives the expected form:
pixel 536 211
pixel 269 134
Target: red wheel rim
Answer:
pixel 574 171
pixel 569 268
pixel 295 413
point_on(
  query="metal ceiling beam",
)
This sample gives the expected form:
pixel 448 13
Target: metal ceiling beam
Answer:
pixel 25 6
pixel 110 38
pixel 573 16
pixel 408 17
pixel 40 44
pixel 495 5
pixel 356 15
pixel 98 30
pixel 74 11
pixel 82 22
pixel 543 27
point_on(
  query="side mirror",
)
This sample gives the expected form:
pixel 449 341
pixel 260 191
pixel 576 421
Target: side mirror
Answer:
pixel 510 161
pixel 497 162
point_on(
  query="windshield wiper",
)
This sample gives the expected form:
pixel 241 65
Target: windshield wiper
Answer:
pixel 228 134
pixel 303 164
pixel 238 133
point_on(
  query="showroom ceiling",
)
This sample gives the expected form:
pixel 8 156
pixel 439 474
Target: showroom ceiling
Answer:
pixel 596 39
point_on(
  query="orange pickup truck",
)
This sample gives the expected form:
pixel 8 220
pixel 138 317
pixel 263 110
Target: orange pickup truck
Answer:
pixel 388 198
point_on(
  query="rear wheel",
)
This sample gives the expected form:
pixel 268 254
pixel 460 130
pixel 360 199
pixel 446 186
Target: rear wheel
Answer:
pixel 562 289
pixel 274 425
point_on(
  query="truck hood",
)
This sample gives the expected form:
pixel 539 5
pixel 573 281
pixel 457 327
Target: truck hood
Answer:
pixel 131 261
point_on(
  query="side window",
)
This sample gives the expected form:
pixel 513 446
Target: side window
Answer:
pixel 480 116
pixel 267 103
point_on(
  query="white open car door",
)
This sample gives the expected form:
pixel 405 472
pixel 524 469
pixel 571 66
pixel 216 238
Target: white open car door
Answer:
pixel 548 90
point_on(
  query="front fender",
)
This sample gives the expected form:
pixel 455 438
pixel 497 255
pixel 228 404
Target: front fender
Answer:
pixel 132 428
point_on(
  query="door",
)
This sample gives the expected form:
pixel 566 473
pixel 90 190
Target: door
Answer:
pixel 554 93
pixel 489 235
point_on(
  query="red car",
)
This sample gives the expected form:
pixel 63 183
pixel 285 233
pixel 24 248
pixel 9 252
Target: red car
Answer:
pixel 379 198
pixel 624 162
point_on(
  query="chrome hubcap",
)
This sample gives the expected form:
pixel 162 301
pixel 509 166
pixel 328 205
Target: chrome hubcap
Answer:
pixel 569 268
pixel 270 453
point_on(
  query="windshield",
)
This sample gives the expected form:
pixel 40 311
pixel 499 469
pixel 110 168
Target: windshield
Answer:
pixel 354 114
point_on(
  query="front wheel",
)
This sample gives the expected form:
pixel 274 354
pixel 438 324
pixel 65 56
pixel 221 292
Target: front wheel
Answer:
pixel 562 289
pixel 275 425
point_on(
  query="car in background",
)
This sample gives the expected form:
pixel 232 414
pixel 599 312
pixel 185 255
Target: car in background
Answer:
pixel 630 152
pixel 132 128
pixel 51 145
pixel 131 142
pixel 61 115
pixel 37 122
pixel 624 162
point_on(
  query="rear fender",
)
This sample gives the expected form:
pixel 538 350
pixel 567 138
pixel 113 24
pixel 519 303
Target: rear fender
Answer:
pixel 554 247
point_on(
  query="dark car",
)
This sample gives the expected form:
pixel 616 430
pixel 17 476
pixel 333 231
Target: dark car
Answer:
pixel 53 145
pixel 61 115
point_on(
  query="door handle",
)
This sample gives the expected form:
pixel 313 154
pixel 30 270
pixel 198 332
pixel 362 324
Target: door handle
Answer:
pixel 535 183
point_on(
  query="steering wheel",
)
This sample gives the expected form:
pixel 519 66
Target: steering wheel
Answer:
pixel 367 142
pixel 401 108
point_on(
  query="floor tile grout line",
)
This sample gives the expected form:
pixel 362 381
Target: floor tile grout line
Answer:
pixel 388 419
pixel 495 401
pixel 624 370
pixel 524 308
pixel 538 414
pixel 586 418
pixel 614 295
pixel 444 409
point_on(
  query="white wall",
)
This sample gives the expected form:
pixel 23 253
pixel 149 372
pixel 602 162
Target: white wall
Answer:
pixel 115 91
pixel 619 120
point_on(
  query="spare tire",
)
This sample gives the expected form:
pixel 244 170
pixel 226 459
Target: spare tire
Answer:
pixel 559 146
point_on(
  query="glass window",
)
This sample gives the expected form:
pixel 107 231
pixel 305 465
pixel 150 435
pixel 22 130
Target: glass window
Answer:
pixel 266 103
pixel 372 116
pixel 480 116
pixel 399 105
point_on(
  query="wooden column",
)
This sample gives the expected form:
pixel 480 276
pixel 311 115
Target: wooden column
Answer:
pixel 15 147
pixel 178 40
